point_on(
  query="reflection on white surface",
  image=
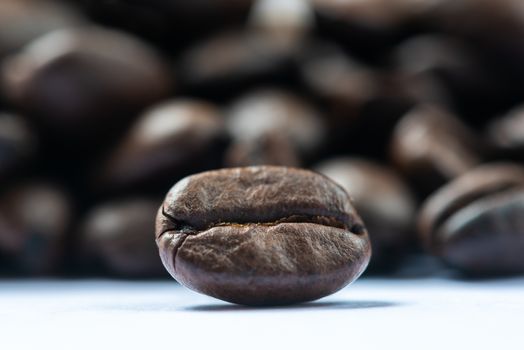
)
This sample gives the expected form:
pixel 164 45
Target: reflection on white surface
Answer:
pixel 371 314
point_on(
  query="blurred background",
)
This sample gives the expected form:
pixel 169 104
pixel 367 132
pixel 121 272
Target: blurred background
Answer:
pixel 105 104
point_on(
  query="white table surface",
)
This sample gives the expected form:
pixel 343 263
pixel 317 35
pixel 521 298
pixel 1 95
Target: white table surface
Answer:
pixel 370 314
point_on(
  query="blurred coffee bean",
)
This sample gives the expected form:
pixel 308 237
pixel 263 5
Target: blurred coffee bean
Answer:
pixel 170 24
pixel 236 60
pixel 266 149
pixel 24 20
pixel 361 104
pixel 384 202
pixel 386 14
pixel 431 146
pixel 495 29
pixel 206 7
pixel 414 88
pixel 116 239
pixel 79 81
pixel 476 222
pixel 372 13
pixel 271 111
pixel 17 145
pixel 170 140
pixel 367 27
pixel 370 131
pixel 342 85
pixel 34 221
pixel 442 70
pixel 502 20
pixel 507 134
pixel 419 64
pixel 287 22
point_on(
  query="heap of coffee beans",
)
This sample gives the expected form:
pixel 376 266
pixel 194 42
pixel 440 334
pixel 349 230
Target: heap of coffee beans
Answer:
pixel 415 108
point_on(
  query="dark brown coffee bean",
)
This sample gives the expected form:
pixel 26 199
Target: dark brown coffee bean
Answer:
pixel 116 237
pixel 379 14
pixel 272 111
pixel 360 106
pixel 507 133
pixel 23 21
pixel 17 145
pixel 170 24
pixel 261 235
pixel 475 223
pixel 286 22
pixel 367 27
pixel 343 85
pixel 374 13
pixel 34 221
pixel 476 17
pixel 168 140
pixel 443 70
pixel 423 64
pixel 382 199
pixel 267 149
pixel 495 30
pixel 240 60
pixel 79 81
pixel 432 146
pixel 417 88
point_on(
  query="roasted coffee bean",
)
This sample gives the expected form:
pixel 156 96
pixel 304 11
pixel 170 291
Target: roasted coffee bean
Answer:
pixel 367 27
pixel 343 85
pixel 116 238
pixel 345 89
pixel 286 22
pixel 432 146
pixel 372 13
pixel 443 70
pixel 482 22
pixel 34 221
pixel 494 30
pixel 261 235
pixel 417 88
pixel 422 65
pixel 23 21
pixel 476 222
pixel 168 140
pixel 384 202
pixel 376 13
pixel 267 149
pixel 17 144
pixel 272 111
pixel 78 81
pixel 359 105
pixel 170 24
pixel 370 132
pixel 507 134
pixel 240 60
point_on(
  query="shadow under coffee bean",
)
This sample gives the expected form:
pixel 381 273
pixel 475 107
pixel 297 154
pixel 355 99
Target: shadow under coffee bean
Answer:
pixel 261 235
pixel 319 305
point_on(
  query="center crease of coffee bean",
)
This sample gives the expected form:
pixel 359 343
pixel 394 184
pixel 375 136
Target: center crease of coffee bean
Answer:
pixel 184 228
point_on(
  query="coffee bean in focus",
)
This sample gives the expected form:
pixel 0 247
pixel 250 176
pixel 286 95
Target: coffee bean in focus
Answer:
pixel 261 235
